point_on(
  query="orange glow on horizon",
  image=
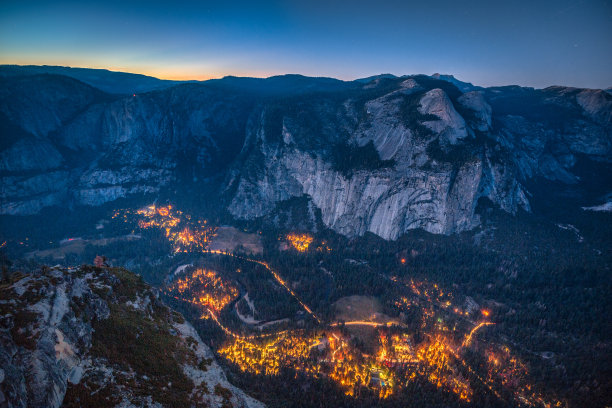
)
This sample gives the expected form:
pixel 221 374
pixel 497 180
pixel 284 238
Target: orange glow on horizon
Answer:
pixel 190 73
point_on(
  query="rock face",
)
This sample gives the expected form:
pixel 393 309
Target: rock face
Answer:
pixel 111 147
pixel 65 336
pixel 443 163
pixel 481 110
pixel 448 124
pixel 384 155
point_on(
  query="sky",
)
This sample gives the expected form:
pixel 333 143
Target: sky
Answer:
pixel 487 42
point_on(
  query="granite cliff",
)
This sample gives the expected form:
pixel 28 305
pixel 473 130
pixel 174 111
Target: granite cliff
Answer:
pixel 440 152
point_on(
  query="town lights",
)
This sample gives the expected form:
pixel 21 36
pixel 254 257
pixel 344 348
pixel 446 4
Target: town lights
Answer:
pixel 300 242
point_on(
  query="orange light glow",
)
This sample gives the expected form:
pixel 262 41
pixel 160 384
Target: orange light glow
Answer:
pixel 300 242
pixel 468 338
pixel 204 288
pixel 335 359
pixel 435 349
pixel 184 235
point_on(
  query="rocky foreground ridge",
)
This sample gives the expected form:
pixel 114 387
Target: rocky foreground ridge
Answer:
pixel 100 337
pixel 384 155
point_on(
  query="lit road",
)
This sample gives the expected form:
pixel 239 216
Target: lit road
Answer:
pixel 468 338
pixel 276 277
pixel 365 323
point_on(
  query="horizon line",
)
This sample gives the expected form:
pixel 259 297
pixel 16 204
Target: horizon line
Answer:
pixel 272 75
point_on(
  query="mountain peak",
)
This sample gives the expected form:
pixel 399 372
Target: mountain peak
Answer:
pixel 375 77
pixel 462 86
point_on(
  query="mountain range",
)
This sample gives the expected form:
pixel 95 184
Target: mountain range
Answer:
pixel 384 154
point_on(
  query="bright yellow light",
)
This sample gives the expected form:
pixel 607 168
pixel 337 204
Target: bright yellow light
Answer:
pixel 300 242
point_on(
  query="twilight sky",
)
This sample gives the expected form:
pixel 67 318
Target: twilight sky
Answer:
pixel 487 42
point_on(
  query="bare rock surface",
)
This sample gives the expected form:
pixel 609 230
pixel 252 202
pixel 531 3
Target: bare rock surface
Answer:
pixel 85 337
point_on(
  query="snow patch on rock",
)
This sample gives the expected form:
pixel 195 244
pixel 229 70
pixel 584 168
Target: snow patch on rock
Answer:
pixel 605 207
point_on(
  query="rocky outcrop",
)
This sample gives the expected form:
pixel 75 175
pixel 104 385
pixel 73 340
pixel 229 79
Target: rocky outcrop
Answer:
pixel 596 104
pixel 482 111
pixel 61 336
pixel 28 195
pixel 450 126
pixel 99 186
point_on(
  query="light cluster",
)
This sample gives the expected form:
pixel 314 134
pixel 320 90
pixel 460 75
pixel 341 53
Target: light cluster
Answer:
pixel 505 368
pixel 438 358
pixel 317 354
pixel 324 247
pixel 205 288
pixel 300 242
pixel 396 363
pixel 268 357
pixel 184 234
